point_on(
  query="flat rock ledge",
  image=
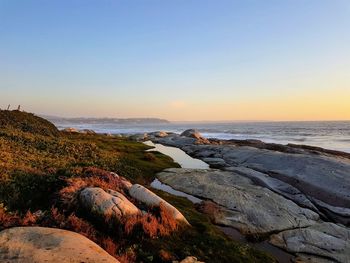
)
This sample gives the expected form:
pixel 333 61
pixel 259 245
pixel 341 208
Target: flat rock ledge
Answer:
pixel 313 178
pixel 46 245
pixel 259 212
pixel 252 209
pixel 297 195
pixel 330 242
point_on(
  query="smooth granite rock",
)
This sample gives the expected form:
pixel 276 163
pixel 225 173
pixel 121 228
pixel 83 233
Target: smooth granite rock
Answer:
pixel 49 245
pixel 107 205
pixel 312 177
pixel 275 185
pixel 146 196
pixel 253 209
pixel 324 240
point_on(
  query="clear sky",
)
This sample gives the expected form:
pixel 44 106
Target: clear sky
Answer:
pixel 177 59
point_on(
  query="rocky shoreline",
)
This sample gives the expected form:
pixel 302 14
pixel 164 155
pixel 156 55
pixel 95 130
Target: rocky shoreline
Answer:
pixel 80 196
pixel 297 197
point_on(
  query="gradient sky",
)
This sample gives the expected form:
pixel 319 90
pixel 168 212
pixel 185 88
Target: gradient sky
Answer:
pixel 177 59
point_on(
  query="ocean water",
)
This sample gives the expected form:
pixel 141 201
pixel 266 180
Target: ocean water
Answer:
pixel 326 134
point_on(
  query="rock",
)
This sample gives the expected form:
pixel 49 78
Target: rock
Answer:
pixel 215 162
pixel 159 134
pixel 251 209
pixel 146 196
pixel 107 205
pixel 316 180
pixel 191 133
pixel 339 214
pixel 175 140
pixel 87 131
pixel 71 130
pixel 189 260
pixel 324 240
pixel 40 244
pixel 317 176
pixel 276 186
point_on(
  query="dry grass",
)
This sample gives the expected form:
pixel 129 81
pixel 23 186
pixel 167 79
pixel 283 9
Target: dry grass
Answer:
pixel 91 177
pixel 8 219
pixel 152 225
pixel 211 209
pixel 128 257
pixel 81 226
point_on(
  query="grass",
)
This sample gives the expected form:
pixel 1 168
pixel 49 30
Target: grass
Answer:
pixel 41 169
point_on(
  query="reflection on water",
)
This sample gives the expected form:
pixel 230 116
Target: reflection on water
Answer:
pixel 184 160
pixel 178 155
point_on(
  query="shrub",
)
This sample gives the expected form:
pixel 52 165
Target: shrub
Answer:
pixel 151 225
pixel 28 190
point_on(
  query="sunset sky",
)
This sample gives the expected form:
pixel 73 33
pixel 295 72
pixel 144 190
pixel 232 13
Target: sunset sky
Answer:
pixel 177 59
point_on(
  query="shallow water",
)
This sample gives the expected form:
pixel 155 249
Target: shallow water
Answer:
pixel 156 184
pixel 279 254
pixel 178 155
pixel 184 160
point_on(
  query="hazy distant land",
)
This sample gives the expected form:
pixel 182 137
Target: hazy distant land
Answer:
pixel 87 120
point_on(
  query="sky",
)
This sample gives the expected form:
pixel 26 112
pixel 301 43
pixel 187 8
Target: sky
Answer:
pixel 177 59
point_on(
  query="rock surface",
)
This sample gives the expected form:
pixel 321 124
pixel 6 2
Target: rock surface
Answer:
pixel 252 209
pixel 291 191
pixel 107 205
pixel 312 177
pixel 326 240
pixel 192 134
pixel 275 185
pixel 39 245
pixel 146 196
pixel 71 130
pixel 189 260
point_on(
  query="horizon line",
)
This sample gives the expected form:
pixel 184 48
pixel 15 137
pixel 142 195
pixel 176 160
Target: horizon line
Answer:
pixel 195 121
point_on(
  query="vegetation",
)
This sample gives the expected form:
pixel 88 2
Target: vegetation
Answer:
pixel 42 169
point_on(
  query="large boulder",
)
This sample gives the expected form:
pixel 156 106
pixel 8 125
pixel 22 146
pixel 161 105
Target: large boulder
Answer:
pixel 40 244
pixel 191 133
pixel 107 205
pixel 326 241
pixel 250 208
pixel 146 196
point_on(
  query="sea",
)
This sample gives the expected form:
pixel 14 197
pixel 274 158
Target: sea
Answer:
pixel 333 135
